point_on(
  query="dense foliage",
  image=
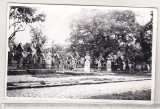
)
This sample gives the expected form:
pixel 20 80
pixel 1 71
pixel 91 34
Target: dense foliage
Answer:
pixel 20 17
pixel 111 32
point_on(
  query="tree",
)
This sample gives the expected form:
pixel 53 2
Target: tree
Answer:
pixel 104 32
pixel 20 17
pixel 12 44
pixel 56 47
pixel 145 41
pixel 39 39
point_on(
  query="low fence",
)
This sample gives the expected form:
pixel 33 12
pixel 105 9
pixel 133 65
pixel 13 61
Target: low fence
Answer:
pixel 133 67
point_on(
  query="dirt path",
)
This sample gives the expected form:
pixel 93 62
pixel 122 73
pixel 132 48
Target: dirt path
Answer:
pixel 81 91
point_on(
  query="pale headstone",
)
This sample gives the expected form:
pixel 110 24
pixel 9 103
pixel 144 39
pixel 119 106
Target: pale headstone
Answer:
pixel 87 64
pixel 48 60
pixel 99 64
pixel 109 62
pixel 124 65
pixel 148 67
pixel 108 65
pixel 53 62
pixel 57 60
pixel 74 63
pixel 100 61
pixel 48 63
pixel 130 66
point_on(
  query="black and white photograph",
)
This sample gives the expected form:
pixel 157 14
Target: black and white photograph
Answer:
pixel 75 52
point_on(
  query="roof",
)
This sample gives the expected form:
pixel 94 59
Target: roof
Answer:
pixel 56 55
pixel 30 49
pixel 119 59
pixel 43 55
pixel 10 54
pixel 71 56
pixel 32 53
pixel 20 48
pixel 109 56
pixel 14 47
pixel 100 57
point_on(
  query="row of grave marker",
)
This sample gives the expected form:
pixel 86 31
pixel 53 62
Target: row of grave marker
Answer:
pixel 35 58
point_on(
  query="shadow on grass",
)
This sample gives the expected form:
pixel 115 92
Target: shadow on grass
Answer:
pixel 138 95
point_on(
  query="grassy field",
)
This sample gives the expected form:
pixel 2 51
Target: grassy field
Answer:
pixel 138 95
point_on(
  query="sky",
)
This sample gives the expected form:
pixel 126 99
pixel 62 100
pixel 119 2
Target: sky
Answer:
pixel 58 17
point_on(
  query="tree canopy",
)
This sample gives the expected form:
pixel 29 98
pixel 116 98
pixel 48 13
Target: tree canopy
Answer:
pixel 21 16
pixel 38 37
pixel 109 32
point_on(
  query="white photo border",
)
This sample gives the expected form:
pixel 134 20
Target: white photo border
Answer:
pixel 89 101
